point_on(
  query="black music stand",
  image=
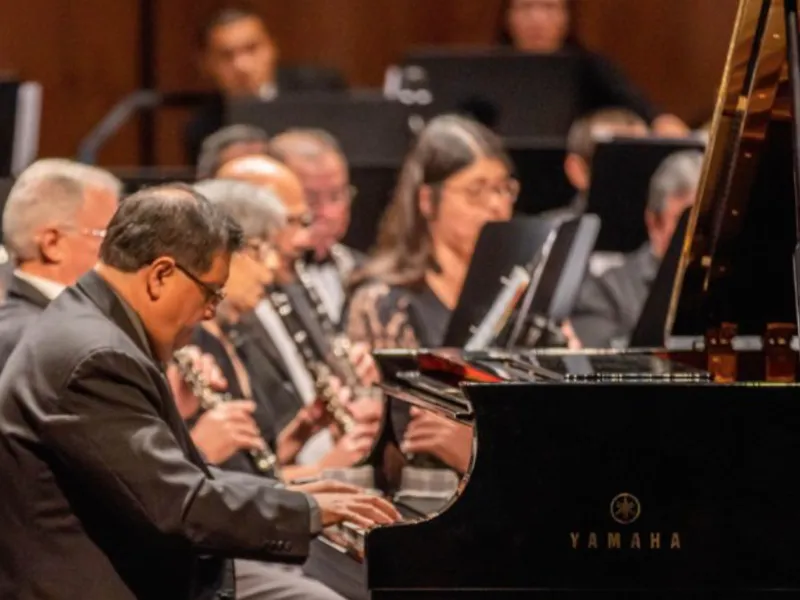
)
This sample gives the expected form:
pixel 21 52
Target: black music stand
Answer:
pixel 20 115
pixel 539 166
pixel 651 327
pixel 371 129
pixel 135 179
pixel 554 295
pixel 517 94
pixel 375 184
pixel 501 246
pixel 621 173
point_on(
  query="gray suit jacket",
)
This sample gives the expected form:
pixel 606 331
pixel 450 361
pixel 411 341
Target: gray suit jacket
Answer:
pixel 110 498
pixel 608 307
pixel 23 305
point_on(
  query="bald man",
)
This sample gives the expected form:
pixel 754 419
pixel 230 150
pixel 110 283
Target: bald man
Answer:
pixel 294 239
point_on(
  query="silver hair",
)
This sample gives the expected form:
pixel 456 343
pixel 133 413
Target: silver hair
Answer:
pixel 214 145
pixel 50 191
pixel 678 175
pixel 304 143
pixel 257 210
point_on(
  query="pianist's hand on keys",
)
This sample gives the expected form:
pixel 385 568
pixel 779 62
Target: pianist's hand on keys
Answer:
pixel 361 509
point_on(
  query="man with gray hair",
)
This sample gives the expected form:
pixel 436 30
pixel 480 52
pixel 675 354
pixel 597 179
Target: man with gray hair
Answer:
pixel 54 220
pixel 608 307
pixel 316 158
pixel 228 143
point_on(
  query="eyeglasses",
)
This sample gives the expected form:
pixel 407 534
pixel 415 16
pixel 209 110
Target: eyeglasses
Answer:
pixel 212 294
pixel 258 249
pixel 476 193
pixel 343 194
pixel 98 233
pixel 304 220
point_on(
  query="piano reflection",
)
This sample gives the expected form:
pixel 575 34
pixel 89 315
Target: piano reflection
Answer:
pixel 649 473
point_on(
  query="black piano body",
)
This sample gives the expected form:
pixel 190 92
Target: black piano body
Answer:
pixel 643 480
pixel 647 473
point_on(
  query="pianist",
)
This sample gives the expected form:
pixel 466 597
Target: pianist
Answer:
pixel 609 306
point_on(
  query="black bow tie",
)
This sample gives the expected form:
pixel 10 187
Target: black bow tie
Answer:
pixel 311 259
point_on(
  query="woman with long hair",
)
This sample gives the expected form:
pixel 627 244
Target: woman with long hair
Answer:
pixel 457 178
pixel 546 27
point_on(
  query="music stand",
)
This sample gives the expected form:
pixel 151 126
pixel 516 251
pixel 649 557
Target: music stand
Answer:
pixel 20 115
pixel 557 290
pixel 371 129
pixel 539 166
pixel 522 94
pixel 501 246
pixel 375 185
pixel 621 173
pixel 651 327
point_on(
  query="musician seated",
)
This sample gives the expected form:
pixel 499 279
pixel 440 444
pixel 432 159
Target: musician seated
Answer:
pixel 254 423
pixel 457 178
pixel 319 162
pixel 608 306
pixel 53 223
pixel 582 139
pixel 292 243
pixel 544 27
pixel 228 143
pixel 241 57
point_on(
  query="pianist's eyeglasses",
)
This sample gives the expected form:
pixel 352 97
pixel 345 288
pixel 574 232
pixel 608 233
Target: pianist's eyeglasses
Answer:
pixel 213 295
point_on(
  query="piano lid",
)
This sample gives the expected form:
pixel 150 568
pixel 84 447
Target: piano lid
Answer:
pixel 736 265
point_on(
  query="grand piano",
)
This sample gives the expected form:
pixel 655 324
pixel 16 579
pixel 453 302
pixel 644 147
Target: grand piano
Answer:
pixel 650 473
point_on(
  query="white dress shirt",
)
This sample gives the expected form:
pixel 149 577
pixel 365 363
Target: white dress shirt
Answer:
pixel 49 288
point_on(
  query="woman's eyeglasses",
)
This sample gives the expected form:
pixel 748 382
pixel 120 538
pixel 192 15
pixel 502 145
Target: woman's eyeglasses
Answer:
pixel 476 193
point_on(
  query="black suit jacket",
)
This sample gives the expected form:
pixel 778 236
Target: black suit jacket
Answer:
pixel 23 305
pixel 211 117
pixel 267 368
pixel 110 498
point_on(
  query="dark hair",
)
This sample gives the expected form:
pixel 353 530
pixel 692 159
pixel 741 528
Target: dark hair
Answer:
pixel 503 37
pixel 230 13
pixel 448 144
pixel 218 142
pixel 168 220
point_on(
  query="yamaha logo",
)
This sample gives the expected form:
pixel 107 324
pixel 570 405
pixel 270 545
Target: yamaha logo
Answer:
pixel 625 508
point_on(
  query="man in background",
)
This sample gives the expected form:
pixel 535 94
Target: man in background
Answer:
pixel 318 161
pixel 582 140
pixel 228 143
pixel 239 54
pixel 609 306
pixel 54 221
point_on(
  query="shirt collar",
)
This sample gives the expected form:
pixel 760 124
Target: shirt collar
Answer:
pixel 136 321
pixel 268 91
pixel 648 262
pixel 49 288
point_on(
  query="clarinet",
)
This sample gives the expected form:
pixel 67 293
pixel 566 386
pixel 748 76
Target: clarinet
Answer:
pixel 265 461
pixel 320 372
pixel 340 344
